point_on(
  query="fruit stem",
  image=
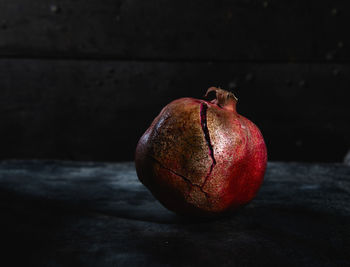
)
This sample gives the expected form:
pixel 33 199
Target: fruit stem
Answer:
pixel 224 99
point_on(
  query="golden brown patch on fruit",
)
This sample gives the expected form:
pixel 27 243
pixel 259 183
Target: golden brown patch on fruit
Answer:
pixel 178 143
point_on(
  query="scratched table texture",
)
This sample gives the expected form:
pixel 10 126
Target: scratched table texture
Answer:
pixel 59 213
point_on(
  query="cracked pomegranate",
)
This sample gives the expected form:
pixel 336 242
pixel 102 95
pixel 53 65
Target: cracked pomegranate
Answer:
pixel 201 157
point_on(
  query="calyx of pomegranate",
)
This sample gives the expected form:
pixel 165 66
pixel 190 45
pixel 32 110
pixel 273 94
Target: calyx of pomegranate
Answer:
pixel 223 99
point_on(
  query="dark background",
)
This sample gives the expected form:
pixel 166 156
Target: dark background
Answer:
pixel 83 79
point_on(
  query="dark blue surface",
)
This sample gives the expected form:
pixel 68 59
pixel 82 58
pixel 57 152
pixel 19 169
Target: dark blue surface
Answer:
pixel 98 214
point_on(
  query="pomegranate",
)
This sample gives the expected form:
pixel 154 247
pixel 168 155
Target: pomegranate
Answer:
pixel 201 157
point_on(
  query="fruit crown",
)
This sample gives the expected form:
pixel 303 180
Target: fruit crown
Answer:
pixel 223 98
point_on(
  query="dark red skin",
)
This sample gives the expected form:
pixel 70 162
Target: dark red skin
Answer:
pixel 202 158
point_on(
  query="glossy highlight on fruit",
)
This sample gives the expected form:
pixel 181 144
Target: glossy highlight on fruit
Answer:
pixel 200 157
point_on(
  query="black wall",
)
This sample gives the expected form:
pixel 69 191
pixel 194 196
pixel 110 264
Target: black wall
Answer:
pixel 83 80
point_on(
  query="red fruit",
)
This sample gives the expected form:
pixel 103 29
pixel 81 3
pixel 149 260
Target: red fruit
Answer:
pixel 202 158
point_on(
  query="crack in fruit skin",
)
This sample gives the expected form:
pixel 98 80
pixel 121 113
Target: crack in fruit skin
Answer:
pixel 175 157
pixel 203 120
pixel 181 176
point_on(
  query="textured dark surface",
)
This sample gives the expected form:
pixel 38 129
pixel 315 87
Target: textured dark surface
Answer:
pixel 83 79
pixel 98 214
pixel 158 29
pixel 94 110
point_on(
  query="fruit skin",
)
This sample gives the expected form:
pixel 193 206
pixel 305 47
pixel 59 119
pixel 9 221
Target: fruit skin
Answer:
pixel 201 158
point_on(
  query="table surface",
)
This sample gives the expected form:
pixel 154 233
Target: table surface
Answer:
pixel 57 213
